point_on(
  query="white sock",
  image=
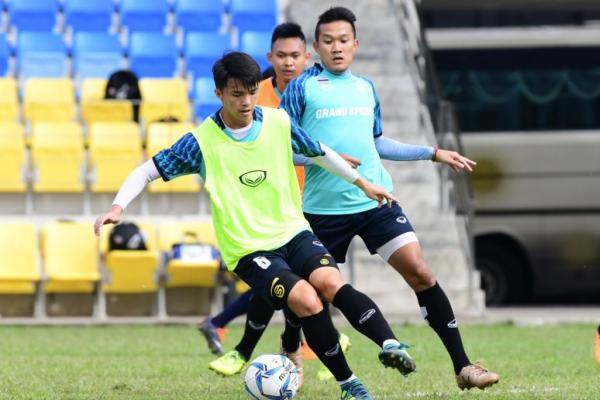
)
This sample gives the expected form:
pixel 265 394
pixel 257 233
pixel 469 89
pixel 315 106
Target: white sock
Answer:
pixel 347 380
pixel 390 342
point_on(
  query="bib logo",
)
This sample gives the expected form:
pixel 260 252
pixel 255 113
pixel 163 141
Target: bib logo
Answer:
pixel 253 178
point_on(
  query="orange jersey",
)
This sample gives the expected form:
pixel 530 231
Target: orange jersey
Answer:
pixel 267 97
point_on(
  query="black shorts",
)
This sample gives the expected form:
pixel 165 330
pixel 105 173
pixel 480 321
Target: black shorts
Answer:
pixel 376 227
pixel 294 261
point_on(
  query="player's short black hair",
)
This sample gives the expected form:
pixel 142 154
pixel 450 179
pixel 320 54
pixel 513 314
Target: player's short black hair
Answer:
pixel 336 14
pixel 287 30
pixel 239 66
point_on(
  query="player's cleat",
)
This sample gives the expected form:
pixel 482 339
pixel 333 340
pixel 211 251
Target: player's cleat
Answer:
pixel 396 356
pixel 324 374
pixel 296 358
pixel 354 390
pixel 230 364
pixel 212 336
pixel 597 347
pixel 474 375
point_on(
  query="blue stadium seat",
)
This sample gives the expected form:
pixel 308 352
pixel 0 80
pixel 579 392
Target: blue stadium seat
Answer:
pixel 41 54
pixel 144 15
pixel 202 49
pixel 194 15
pixel 205 100
pixel 4 55
pixel 96 54
pixel 257 44
pixel 153 55
pixel 32 15
pixel 253 15
pixel 86 15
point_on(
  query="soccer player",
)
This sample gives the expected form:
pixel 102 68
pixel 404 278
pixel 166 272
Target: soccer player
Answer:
pixel 597 346
pixel 341 109
pixel 244 155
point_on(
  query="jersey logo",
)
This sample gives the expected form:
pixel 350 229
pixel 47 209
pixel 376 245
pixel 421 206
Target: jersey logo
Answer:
pixel 253 178
pixel 324 84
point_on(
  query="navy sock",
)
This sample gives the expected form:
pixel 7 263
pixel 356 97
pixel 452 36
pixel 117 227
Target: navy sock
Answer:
pixel 236 308
pixel 436 309
pixel 260 311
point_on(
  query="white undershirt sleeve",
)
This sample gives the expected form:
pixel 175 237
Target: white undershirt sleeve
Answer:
pixel 135 182
pixel 335 164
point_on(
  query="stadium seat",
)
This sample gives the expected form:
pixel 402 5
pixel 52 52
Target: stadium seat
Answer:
pixel 206 101
pixel 19 266
pixel 115 149
pixel 162 135
pixel 202 49
pixel 49 100
pixel 70 256
pixel 4 55
pixel 9 100
pixel 164 98
pixel 57 157
pixel 194 15
pixel 41 54
pixel 153 55
pixel 96 54
pixel 131 271
pixel 182 273
pixel 13 156
pixel 86 15
pixel 32 15
pixel 253 15
pixel 94 108
pixel 257 44
pixel 144 15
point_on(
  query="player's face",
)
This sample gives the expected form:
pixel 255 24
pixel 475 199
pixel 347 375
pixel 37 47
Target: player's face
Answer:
pixel 238 103
pixel 336 45
pixel 288 57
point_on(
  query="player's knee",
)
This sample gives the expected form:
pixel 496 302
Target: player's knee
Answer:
pixel 303 300
pixel 420 276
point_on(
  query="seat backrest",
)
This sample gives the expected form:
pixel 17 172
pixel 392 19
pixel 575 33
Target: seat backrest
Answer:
pixel 170 233
pixel 86 15
pixel 92 89
pixel 9 101
pixel 49 99
pixel 32 15
pixel 4 54
pixel 194 15
pixel 163 98
pixel 144 15
pixel 19 249
pixel 153 54
pixel 41 54
pixel 57 139
pixel 70 249
pixel 114 139
pixel 96 54
pixel 202 49
pixel 255 15
pixel 162 135
pixel 257 44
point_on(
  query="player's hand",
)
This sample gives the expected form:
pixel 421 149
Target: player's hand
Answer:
pixel 375 192
pixel 113 216
pixel 353 161
pixel 455 160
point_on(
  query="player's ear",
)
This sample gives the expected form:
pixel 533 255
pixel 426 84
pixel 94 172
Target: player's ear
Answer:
pixel 219 94
pixel 316 45
pixel 269 57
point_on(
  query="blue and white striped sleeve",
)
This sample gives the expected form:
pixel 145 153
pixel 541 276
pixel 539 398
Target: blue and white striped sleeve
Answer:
pixel 293 100
pixel 377 128
pixel 303 143
pixel 182 158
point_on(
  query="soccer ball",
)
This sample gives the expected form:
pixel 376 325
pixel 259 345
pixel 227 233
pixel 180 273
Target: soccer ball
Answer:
pixel 271 377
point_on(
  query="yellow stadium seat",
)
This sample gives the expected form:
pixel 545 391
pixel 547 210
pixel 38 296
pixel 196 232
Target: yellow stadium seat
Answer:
pixel 70 254
pixel 9 101
pixel 162 135
pixel 163 98
pixel 131 271
pixel 19 269
pixel 49 100
pixel 115 150
pixel 58 157
pixel 13 156
pixel 94 108
pixel 182 273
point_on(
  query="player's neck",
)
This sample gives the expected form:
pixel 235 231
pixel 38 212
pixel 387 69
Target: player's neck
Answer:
pixel 280 83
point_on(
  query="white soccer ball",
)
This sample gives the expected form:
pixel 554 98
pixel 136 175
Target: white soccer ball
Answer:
pixel 271 377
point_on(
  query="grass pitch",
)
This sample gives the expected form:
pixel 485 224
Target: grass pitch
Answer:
pixel 170 362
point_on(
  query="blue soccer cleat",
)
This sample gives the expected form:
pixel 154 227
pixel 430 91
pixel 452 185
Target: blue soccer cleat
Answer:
pixel 396 356
pixel 354 390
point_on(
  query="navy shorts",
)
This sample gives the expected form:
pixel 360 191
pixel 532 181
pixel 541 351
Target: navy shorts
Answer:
pixel 376 227
pixel 300 256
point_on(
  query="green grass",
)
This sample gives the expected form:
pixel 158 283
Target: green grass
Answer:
pixel 170 362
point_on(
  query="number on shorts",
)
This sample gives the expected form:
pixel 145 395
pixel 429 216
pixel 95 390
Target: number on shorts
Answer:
pixel 262 262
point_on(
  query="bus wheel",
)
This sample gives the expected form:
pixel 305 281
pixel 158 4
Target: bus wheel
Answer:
pixel 502 274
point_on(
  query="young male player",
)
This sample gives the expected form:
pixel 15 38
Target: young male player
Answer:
pixel 244 154
pixel 342 110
